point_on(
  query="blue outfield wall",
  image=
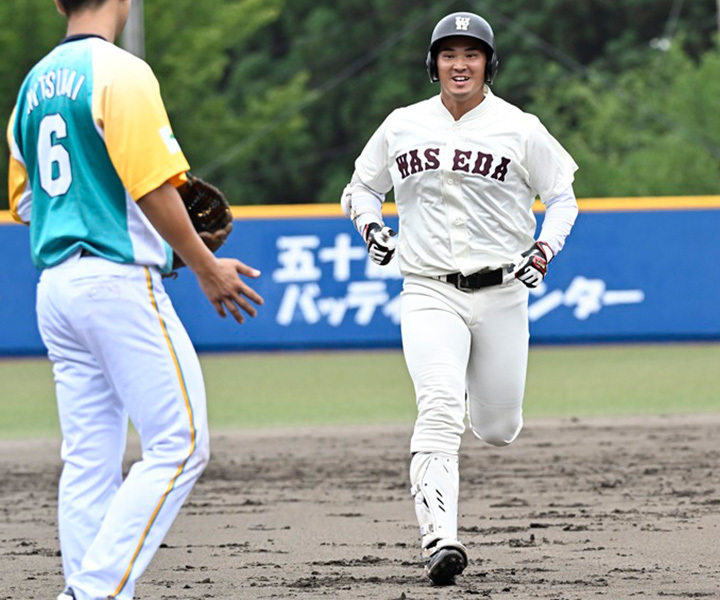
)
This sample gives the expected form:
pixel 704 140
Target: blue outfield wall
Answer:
pixel 645 275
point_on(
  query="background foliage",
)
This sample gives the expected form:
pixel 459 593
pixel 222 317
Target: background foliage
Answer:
pixel 274 99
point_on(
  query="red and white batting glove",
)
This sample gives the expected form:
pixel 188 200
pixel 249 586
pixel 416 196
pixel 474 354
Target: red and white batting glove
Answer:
pixel 381 242
pixel 532 269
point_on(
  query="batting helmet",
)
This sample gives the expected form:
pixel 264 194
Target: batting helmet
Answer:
pixel 468 25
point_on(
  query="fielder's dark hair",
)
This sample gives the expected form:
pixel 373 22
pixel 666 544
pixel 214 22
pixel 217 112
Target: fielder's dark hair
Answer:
pixel 73 6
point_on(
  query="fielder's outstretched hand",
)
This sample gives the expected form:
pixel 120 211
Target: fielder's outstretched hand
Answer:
pixel 532 269
pixel 227 291
pixel 381 243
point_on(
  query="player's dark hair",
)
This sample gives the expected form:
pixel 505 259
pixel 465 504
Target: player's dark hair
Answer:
pixel 73 6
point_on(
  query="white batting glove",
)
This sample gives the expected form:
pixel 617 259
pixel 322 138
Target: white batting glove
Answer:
pixel 381 243
pixel 533 267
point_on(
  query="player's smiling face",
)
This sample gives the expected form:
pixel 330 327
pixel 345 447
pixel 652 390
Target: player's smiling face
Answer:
pixel 461 65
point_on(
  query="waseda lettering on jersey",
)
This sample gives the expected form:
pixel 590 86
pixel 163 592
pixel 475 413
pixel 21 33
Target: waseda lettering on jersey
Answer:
pixel 467 161
pixel 414 164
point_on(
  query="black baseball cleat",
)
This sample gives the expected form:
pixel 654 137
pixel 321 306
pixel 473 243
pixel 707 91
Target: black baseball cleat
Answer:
pixel 444 564
pixel 68 594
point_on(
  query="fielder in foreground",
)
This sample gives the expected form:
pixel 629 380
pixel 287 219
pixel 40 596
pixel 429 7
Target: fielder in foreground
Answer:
pixel 94 169
pixel 466 167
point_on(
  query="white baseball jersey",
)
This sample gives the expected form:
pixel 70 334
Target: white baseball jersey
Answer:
pixel 464 189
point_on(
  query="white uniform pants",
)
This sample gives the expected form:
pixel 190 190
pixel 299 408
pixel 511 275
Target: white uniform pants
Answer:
pixel 458 342
pixel 118 349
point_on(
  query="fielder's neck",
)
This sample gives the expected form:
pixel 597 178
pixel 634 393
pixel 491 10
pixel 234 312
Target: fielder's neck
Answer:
pixel 106 20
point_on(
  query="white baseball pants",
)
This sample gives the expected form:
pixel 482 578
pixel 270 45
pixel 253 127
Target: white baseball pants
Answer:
pixel 457 342
pixel 119 350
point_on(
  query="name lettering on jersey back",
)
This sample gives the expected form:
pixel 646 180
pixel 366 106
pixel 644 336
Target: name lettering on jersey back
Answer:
pixel 467 161
pixel 54 84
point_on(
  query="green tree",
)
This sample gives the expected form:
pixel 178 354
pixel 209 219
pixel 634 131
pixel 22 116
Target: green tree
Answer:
pixel 363 59
pixel 652 130
pixel 197 52
pixel 273 100
pixel 226 116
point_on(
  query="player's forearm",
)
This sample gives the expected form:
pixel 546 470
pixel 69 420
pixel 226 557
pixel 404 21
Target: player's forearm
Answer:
pixel 166 212
pixel 560 214
pixel 362 204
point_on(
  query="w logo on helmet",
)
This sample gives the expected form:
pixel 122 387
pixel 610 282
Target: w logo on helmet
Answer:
pixel 462 23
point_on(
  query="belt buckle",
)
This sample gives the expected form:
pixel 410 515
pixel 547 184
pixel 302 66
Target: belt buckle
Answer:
pixel 463 283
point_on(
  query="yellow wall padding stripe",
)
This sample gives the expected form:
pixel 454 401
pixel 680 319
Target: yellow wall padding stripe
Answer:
pixel 649 204
pixel 180 469
pixel 291 211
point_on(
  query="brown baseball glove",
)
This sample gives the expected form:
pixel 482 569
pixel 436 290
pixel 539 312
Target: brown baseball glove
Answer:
pixel 209 213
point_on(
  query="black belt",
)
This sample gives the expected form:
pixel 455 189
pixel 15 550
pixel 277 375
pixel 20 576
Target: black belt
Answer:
pixel 474 281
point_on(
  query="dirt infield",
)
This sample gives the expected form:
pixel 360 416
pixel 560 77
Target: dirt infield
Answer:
pixel 572 510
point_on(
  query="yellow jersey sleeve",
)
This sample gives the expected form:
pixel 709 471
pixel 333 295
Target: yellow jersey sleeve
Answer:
pixel 128 108
pixel 19 194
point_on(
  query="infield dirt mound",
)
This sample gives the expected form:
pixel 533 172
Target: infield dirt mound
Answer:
pixel 628 508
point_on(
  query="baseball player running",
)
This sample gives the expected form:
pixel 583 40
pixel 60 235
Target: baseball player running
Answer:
pixel 94 169
pixel 466 167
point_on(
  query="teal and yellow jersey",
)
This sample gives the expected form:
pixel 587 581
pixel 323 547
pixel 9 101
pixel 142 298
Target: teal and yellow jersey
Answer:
pixel 90 136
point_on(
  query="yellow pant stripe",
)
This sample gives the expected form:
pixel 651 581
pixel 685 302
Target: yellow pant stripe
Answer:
pixel 180 469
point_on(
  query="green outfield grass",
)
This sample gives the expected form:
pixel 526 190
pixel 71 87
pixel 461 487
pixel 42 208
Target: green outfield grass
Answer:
pixel 354 387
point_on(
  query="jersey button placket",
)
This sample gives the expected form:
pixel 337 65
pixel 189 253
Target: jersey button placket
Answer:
pixel 456 221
